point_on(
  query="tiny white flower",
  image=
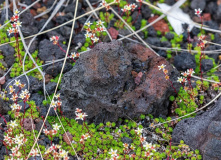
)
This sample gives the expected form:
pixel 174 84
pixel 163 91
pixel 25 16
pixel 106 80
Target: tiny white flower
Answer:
pixel 87 35
pixel 113 153
pixel 16 12
pixel 17 83
pixel 162 67
pixel 56 127
pixel 18 24
pixel 180 79
pixel 198 12
pixel 88 23
pixel 95 39
pixel 80 116
pixel 139 130
pixel 13 124
pixel 100 22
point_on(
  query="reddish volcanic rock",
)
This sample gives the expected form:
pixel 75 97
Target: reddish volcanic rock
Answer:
pixel 160 25
pixel 206 16
pixel 28 124
pixel 113 81
pixel 113 32
pixel 66 136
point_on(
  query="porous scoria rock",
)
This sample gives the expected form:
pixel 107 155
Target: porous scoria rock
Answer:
pixel 160 25
pixel 101 83
pixel 28 124
pixel 202 132
pixel 66 136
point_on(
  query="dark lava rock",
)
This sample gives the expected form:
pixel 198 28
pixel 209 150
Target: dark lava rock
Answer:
pixel 35 158
pixel 28 24
pixel 55 68
pixel 34 45
pixel 79 38
pixel 35 84
pixel 169 36
pixel 127 140
pixel 151 32
pixel 202 132
pixel 217 16
pixel 91 1
pixel 215 55
pixel 3 16
pixel 8 53
pixel 4 118
pixel 71 7
pixel 170 2
pixel 154 41
pixel 49 52
pixel 1 136
pixel 4 151
pixel 212 24
pixel 65 18
pixel 27 19
pixel 50 87
pixel 146 11
pixel 101 83
pixel 206 64
pixel 136 17
pixel 39 123
pixel 184 61
pixel 4 107
pixel 41 23
pixel 166 44
pixel 195 4
pixel 195 31
pixel 162 53
pixel 29 30
pixel 37 98
pixel 65 31
pixel 141 34
pixel 44 110
pixel 211 8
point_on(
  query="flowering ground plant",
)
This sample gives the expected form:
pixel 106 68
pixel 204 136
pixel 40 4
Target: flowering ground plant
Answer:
pixel 67 138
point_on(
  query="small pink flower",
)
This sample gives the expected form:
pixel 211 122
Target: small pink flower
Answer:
pixel 198 12
pixel 80 116
pixel 54 39
pixel 78 110
pixel 133 6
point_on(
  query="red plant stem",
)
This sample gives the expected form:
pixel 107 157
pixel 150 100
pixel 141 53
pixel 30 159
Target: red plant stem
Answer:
pixel 201 73
pixel 61 48
pixel 118 6
pixel 24 111
pixel 139 11
pixel 17 46
pixel 188 79
pixel 186 91
pixel 201 18
pixel 175 89
pixel 168 157
pixel 87 127
pixel 44 123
